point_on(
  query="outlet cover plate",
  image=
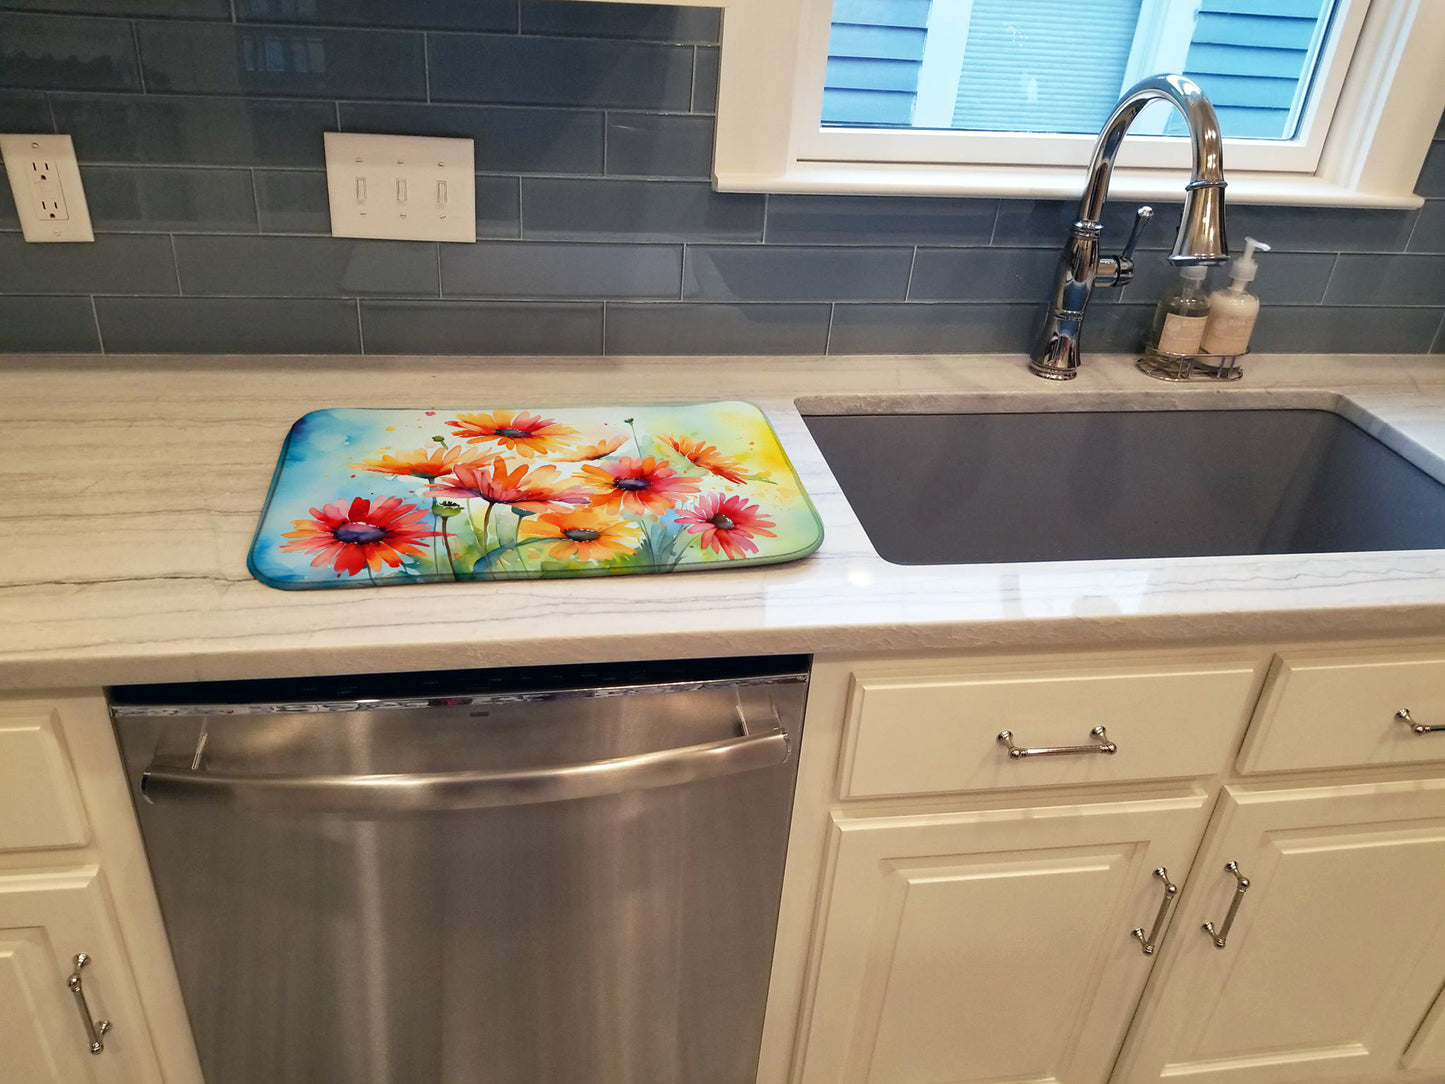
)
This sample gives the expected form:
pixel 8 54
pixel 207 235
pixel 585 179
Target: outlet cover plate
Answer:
pixel 45 181
pixel 410 188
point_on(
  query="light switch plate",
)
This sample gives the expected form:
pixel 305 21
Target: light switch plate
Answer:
pixel 45 181
pixel 411 188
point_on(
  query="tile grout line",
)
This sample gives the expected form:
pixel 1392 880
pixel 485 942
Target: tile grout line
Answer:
pixel 140 68
pixel 604 328
pixel 95 315
pixel 50 108
pixel 360 334
pixel 908 286
pixel 425 65
pixel 692 83
pixel 828 337
pixel 255 204
pixel 176 266
pixel 440 292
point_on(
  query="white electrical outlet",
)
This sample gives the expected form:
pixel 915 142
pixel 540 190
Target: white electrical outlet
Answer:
pixel 45 181
pixel 412 188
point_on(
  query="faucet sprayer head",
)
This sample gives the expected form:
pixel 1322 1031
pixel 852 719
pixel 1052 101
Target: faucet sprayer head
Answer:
pixel 1201 237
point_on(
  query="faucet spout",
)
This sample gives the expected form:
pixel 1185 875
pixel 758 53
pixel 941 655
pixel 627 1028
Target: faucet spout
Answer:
pixel 1200 240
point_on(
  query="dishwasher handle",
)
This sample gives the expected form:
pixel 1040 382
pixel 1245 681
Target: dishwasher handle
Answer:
pixel 417 792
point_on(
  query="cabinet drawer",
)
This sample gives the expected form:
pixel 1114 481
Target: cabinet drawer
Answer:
pixel 39 802
pixel 935 733
pixel 1325 711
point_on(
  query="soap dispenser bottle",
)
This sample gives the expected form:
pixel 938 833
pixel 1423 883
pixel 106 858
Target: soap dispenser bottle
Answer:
pixel 1233 310
pixel 1180 319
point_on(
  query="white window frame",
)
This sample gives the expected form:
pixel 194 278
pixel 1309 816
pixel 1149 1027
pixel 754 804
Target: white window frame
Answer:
pixel 1363 137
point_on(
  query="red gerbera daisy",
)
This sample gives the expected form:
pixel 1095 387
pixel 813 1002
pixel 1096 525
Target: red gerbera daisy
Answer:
pixel 639 486
pixel 361 536
pixel 727 524
pixel 707 457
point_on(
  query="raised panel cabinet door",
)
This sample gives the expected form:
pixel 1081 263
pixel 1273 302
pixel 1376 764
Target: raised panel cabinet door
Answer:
pixel 1336 952
pixel 991 945
pixel 46 918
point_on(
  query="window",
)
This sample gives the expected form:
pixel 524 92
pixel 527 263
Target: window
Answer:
pixel 1339 110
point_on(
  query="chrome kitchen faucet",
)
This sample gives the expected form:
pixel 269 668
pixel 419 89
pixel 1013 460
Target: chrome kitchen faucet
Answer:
pixel 1201 228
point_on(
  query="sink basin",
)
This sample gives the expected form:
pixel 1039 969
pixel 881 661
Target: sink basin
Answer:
pixel 980 488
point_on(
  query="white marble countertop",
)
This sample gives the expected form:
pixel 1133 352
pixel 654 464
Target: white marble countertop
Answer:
pixel 132 488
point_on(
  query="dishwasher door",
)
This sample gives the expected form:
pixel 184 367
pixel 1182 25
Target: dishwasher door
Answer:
pixel 507 877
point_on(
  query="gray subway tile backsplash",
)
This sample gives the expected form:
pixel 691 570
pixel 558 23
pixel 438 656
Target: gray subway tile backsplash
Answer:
pixel 643 22
pixel 171 9
pixel 60 51
pixel 1387 280
pixel 24 111
pixel 652 145
pixel 503 69
pixel 313 62
pixel 208 325
pixel 545 269
pixel 1345 330
pixel 481 327
pixel 291 201
pixel 198 125
pixel 509 139
pixel 637 210
pixel 305 267
pixel 983 274
pixel 432 15
pixel 787 273
pixel 112 264
pixel 152 199
pixel 934 328
pixel 687 328
pixel 167 129
pixel 880 220
pixel 47 325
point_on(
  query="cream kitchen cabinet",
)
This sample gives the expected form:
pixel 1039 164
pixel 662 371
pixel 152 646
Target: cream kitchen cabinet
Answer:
pixel 946 956
pixel 970 917
pixel 1337 949
pixel 73 880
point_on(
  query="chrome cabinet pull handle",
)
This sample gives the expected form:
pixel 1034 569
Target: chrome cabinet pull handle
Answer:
pixel 1240 889
pixel 1417 728
pixel 93 1028
pixel 1171 893
pixel 1102 744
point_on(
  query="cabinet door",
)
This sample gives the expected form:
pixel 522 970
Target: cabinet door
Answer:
pixel 1337 950
pixel 992 945
pixel 45 919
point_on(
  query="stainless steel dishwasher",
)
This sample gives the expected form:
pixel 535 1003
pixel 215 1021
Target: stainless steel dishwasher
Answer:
pixel 564 875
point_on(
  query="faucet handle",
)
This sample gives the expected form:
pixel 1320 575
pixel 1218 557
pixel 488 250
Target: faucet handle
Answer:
pixel 1141 219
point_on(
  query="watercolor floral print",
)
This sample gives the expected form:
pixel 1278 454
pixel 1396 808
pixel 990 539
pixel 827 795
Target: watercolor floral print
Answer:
pixel 507 494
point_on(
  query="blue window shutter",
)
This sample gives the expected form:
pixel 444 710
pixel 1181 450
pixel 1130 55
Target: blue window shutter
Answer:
pixel 874 56
pixel 1249 56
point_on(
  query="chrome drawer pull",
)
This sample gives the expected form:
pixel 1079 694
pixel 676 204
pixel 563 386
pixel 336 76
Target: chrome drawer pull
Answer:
pixel 93 1028
pixel 1171 893
pixel 1102 744
pixel 1417 728
pixel 1239 891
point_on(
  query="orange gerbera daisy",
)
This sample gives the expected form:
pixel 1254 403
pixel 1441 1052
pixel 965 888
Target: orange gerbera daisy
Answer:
pixel 520 432
pixel 707 457
pixel 430 464
pixel 361 536
pixel 532 489
pixel 584 534
pixel 727 524
pixel 640 486
pixel 605 446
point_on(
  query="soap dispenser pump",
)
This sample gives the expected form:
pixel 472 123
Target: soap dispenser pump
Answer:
pixel 1234 310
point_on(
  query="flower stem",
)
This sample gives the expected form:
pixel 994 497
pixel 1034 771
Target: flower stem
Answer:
pixel 486 526
pixel 634 437
pixel 447 542
pixel 683 552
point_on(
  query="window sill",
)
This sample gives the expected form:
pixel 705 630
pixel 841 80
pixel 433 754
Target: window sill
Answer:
pixel 1041 182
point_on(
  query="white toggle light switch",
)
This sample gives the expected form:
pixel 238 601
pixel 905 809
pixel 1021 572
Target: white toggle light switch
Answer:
pixel 401 165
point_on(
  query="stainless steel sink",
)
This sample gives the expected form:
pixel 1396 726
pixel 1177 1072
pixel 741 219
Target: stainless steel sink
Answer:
pixel 980 488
